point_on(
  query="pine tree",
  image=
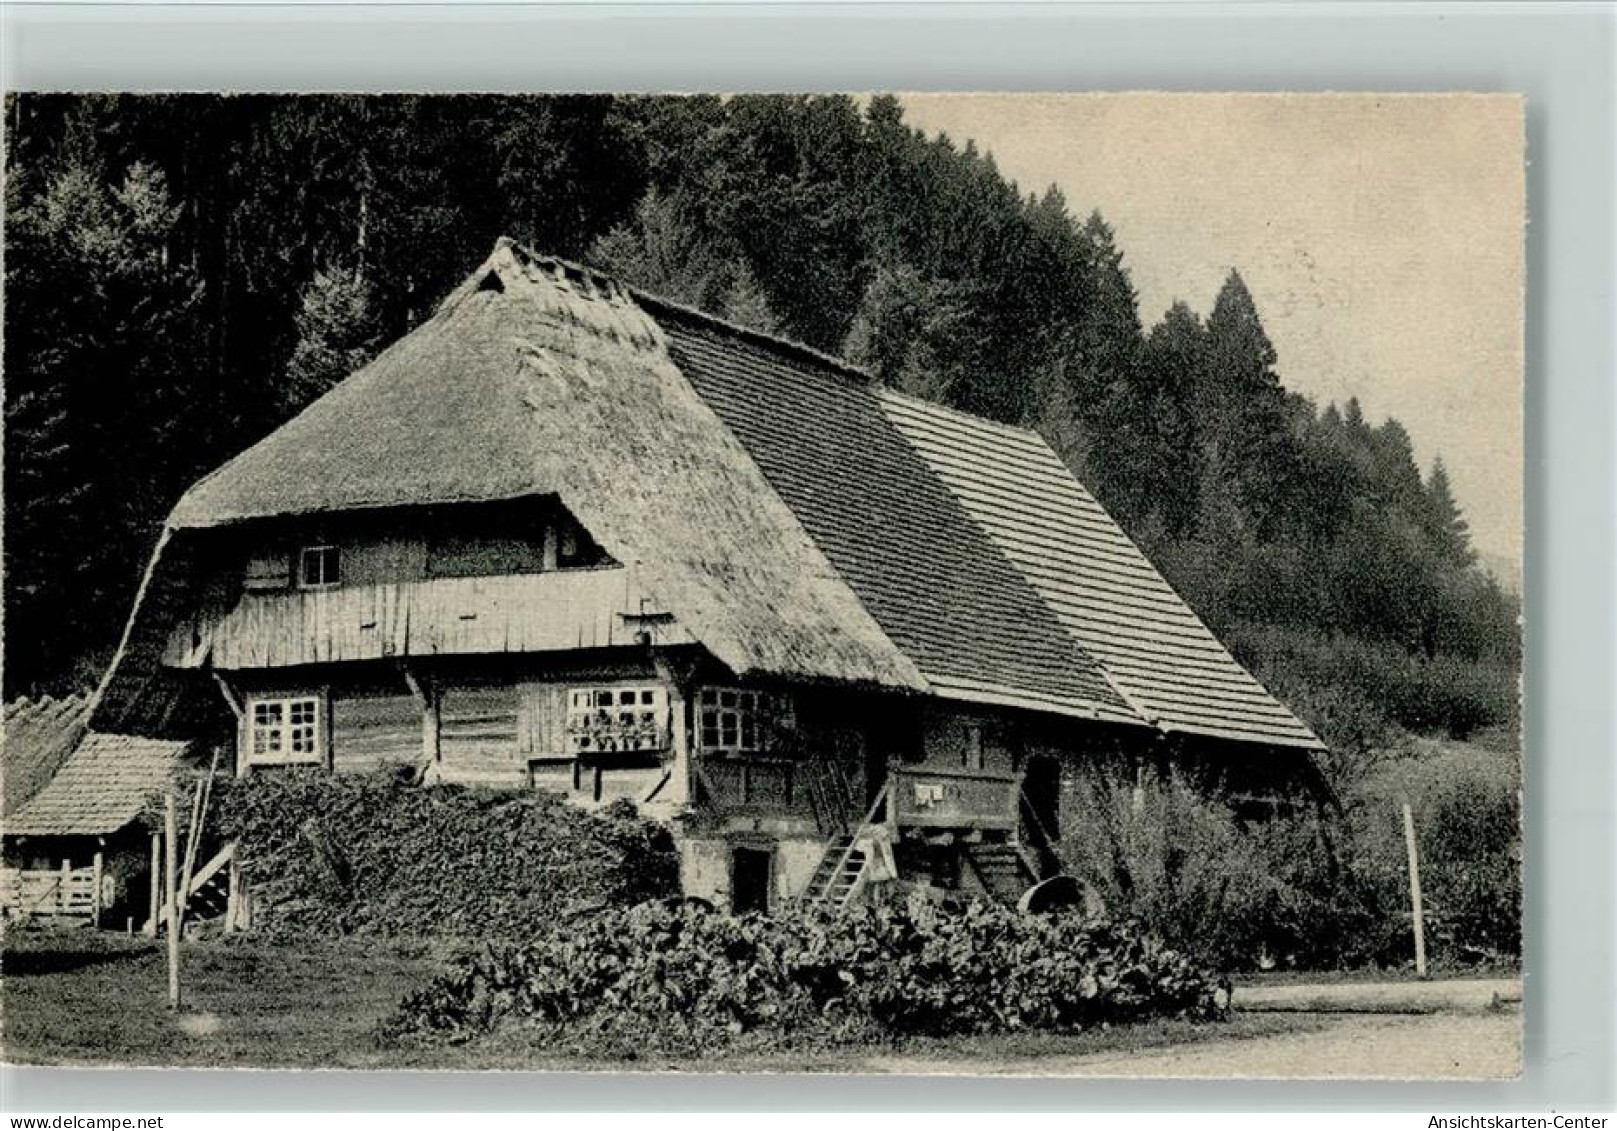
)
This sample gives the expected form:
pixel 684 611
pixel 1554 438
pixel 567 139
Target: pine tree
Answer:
pixel 1449 533
pixel 338 331
pixel 666 250
pixel 1242 408
pixel 99 325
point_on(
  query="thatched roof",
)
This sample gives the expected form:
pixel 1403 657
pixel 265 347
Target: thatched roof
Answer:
pixel 798 521
pixel 38 736
pixel 538 378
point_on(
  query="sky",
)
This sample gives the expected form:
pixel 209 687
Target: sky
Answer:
pixel 1381 236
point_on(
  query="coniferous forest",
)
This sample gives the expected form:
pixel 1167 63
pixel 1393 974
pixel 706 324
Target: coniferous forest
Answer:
pixel 184 273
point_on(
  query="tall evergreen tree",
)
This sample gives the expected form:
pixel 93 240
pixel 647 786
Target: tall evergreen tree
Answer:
pixel 1242 409
pixel 338 331
pixel 1450 534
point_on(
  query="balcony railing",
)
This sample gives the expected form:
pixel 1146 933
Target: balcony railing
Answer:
pixel 920 797
pixel 924 797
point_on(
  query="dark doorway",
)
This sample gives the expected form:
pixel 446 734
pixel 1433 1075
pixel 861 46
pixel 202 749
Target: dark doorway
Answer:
pixel 749 880
pixel 1042 785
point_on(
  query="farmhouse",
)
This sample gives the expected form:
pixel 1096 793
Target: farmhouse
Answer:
pixel 572 537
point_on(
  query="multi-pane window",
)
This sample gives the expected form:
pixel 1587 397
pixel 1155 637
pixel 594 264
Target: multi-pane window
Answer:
pixel 733 721
pixel 319 567
pixel 606 719
pixel 284 730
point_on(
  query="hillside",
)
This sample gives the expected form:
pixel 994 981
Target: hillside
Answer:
pixel 183 273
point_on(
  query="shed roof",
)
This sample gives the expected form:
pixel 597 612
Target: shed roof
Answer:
pixel 103 786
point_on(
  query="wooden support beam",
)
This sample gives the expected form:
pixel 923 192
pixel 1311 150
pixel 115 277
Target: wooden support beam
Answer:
pixel 171 897
pixel 431 717
pixel 232 700
pixel 239 709
pixel 233 895
pixel 681 786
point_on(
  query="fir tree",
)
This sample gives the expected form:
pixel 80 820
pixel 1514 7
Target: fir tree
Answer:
pixel 338 331
pixel 1449 532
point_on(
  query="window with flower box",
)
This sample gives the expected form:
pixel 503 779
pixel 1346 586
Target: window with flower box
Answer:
pixel 285 730
pixel 606 720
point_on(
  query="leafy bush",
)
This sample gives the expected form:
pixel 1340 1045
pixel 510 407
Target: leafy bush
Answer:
pixel 1467 810
pixel 1312 887
pixel 336 854
pixel 679 978
pixel 1236 894
pixel 1357 693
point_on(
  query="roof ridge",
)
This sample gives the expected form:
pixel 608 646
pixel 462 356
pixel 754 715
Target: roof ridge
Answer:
pixel 941 409
pixel 606 280
pixel 785 345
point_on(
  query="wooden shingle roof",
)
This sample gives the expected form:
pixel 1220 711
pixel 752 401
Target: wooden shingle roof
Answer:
pixel 935 583
pixel 103 786
pixel 1119 609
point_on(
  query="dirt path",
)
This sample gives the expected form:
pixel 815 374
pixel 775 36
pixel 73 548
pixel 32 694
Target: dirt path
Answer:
pixel 1469 1046
pixel 1464 995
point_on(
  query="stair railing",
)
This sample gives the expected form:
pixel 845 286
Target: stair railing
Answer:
pixel 853 843
pixel 1047 854
pixel 199 880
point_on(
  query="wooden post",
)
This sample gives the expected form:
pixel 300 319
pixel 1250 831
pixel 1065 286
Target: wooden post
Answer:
pixel 239 709
pixel 232 896
pixel 170 897
pixel 680 790
pixel 95 889
pixel 431 725
pixel 62 884
pixel 193 837
pixel 156 885
pixel 1417 914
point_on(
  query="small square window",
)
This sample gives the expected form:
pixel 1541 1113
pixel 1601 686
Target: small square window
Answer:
pixel 318 567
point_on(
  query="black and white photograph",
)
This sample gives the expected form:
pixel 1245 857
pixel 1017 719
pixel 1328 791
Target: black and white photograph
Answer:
pixel 961 584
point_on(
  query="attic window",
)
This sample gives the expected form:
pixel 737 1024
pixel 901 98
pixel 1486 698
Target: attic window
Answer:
pixel 575 549
pixel 491 282
pixel 319 567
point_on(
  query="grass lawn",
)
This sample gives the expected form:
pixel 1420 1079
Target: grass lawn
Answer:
pixel 82 997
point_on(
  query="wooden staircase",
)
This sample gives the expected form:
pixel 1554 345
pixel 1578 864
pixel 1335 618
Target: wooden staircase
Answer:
pixel 840 873
pixel 845 866
pixel 1003 868
pixel 207 895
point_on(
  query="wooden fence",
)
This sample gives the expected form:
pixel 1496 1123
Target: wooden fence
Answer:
pixel 63 893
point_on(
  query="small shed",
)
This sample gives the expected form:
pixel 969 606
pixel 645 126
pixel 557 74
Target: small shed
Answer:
pixel 78 848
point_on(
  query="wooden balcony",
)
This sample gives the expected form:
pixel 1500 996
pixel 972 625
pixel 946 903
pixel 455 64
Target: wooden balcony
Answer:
pixel 924 797
pixel 919 797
